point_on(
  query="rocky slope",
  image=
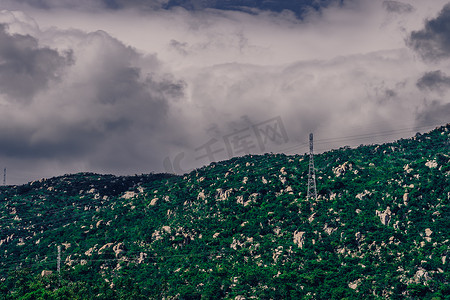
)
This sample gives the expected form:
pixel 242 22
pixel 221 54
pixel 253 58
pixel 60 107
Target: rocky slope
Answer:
pixel 239 229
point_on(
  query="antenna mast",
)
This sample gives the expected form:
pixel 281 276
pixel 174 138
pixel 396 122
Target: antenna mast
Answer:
pixel 312 189
pixel 4 176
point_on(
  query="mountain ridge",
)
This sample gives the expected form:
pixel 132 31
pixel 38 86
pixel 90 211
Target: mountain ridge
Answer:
pixel 239 229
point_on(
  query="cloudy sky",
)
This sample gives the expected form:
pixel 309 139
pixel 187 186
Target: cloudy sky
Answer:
pixel 140 86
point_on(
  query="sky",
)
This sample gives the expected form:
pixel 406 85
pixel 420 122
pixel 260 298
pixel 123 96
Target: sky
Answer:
pixel 138 86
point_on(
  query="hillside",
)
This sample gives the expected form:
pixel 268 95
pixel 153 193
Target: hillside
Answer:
pixel 239 229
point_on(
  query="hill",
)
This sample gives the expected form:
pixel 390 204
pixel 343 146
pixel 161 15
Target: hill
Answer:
pixel 239 229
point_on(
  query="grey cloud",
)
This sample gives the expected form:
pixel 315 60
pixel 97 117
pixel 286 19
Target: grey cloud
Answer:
pixel 119 111
pixel 26 68
pixel 141 4
pixel 49 4
pixel 434 81
pixel 108 113
pixel 433 42
pixel 398 7
pixel 434 113
pixel 67 142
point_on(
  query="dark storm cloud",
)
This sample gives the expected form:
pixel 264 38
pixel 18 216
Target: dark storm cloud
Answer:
pixel 26 68
pixel 299 8
pixel 433 42
pixel 106 111
pixel 141 4
pixel 68 142
pixel 434 81
pixel 434 113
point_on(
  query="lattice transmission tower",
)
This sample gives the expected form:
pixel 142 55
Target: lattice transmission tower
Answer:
pixel 312 189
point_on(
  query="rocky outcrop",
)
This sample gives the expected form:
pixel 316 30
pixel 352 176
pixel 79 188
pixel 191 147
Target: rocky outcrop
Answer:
pixel 431 164
pixel 428 233
pixel 340 170
pixel 385 217
pixel 119 249
pixel 299 238
pixel 223 195
pixel 104 247
pixel 129 195
pixel 405 199
pixel 45 273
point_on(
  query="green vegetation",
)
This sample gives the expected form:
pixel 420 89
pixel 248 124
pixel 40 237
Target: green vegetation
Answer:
pixel 239 229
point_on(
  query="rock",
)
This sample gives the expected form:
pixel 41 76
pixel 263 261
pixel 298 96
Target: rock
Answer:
pixel 329 230
pixel 223 195
pixel 299 238
pixel 421 275
pixel 215 235
pixel 89 252
pixel 46 273
pixel 108 245
pixel 142 257
pixel 276 254
pixel 408 169
pixel 289 190
pixel 354 284
pixel 69 261
pixel 385 217
pixel 360 196
pixel 396 225
pixel 405 198
pixel 201 195
pixel 428 233
pixel 154 201
pixel 277 231
pixel 431 164
pixel 156 235
pixel 340 170
pixel 253 197
pixel 118 249
pixel 129 195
